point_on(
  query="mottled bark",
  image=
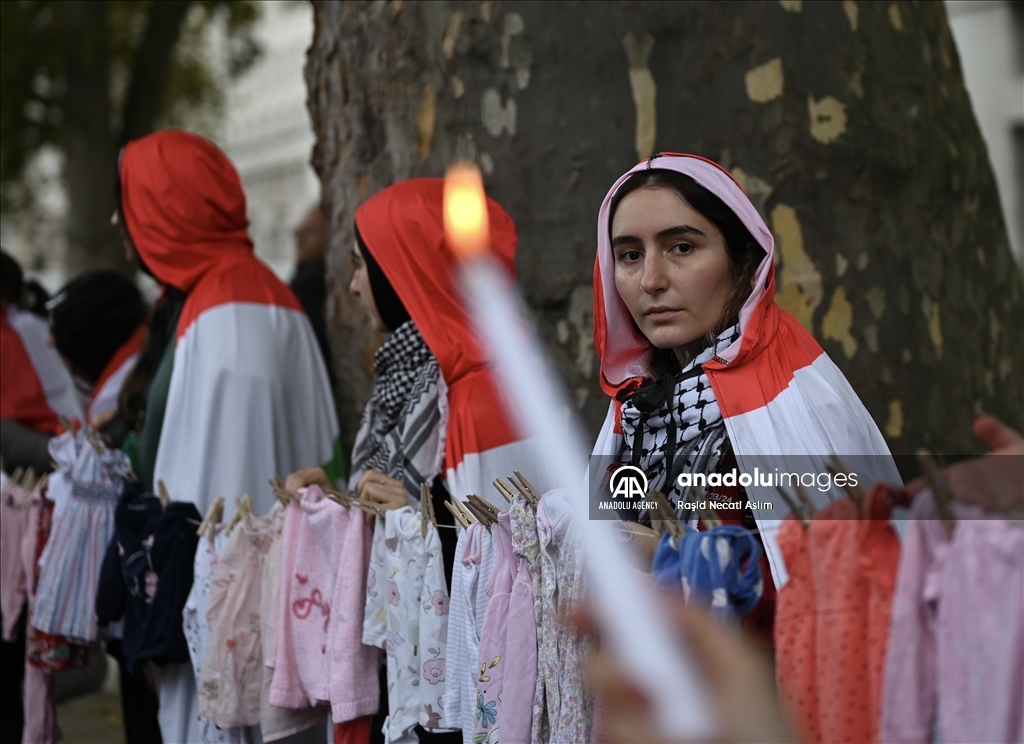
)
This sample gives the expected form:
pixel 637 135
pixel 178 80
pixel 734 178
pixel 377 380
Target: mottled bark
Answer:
pixel 88 146
pixel 847 122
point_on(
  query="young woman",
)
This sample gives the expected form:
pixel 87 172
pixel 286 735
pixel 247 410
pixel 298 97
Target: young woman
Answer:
pixel 435 415
pixel 704 369
pixel 230 388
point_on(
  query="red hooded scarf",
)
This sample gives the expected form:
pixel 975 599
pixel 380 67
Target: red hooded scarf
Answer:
pixel 184 209
pixel 403 227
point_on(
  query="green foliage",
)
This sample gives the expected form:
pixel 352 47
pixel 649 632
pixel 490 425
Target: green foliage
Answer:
pixel 31 40
pixel 37 47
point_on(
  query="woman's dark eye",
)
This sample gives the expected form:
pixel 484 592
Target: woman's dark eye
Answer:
pixel 630 256
pixel 682 248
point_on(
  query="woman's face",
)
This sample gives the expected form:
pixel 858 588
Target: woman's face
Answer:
pixel 360 287
pixel 671 267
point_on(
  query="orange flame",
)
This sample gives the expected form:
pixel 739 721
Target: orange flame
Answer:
pixel 465 210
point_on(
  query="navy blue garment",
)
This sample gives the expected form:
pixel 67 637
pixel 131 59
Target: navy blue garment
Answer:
pixel 172 553
pixel 666 570
pixel 721 568
pixel 121 592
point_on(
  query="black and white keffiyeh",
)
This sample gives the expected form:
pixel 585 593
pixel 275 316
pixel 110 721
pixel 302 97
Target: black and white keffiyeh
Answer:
pixel 402 431
pixel 679 423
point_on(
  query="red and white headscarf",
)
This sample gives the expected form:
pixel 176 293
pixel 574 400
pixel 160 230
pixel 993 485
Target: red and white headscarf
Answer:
pixel 778 391
pixel 249 396
pixel 403 226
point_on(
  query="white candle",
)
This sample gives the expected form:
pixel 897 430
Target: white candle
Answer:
pixel 638 634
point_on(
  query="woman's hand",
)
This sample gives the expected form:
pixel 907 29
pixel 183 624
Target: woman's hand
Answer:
pixel 736 674
pixel 992 482
pixel 307 477
pixel 377 488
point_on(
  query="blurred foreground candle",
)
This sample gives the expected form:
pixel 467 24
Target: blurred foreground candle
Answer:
pixel 637 633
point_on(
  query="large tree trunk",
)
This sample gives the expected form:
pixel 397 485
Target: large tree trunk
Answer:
pixel 847 122
pixel 88 141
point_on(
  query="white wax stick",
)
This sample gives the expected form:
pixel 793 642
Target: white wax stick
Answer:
pixel 631 622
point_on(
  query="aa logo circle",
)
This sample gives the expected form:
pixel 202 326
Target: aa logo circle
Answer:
pixel 628 482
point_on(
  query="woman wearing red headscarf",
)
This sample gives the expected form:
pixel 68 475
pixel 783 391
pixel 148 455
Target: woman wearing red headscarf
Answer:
pixel 436 415
pixel 231 388
pixel 705 372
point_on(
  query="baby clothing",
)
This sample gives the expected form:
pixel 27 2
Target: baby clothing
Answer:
pixel 521 644
pixel 954 672
pixel 434 604
pixel 721 568
pixel 14 523
pixel 275 722
pixel 232 671
pixel 197 631
pixel 492 659
pixel 324 554
pixel 456 649
pixel 476 563
pixel 406 561
pixel 562 652
pixel 82 528
pixel 831 619
pixel 375 614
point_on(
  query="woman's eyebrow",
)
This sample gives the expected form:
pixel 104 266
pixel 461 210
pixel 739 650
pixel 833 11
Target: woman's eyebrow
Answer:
pixel 625 240
pixel 679 230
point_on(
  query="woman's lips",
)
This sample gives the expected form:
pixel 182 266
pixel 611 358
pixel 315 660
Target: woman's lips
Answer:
pixel 661 313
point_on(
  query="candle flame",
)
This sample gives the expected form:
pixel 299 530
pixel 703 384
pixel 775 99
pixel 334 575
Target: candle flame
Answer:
pixel 465 210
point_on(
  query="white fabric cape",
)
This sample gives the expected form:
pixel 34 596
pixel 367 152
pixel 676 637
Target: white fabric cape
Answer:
pixel 249 399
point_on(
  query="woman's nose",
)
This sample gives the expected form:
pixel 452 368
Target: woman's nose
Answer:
pixel 653 279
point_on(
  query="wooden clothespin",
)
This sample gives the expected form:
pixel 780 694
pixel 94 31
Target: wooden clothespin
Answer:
pixel 805 500
pixel 795 507
pixel 279 491
pixel 427 503
pixel 469 516
pixel 707 514
pixel 837 467
pixel 939 486
pixel 213 515
pixel 336 496
pixel 484 506
pixel 28 482
pixel 504 490
pixel 531 492
pixel 710 517
pixel 664 512
pixel 165 497
pixel 457 514
pixel 478 514
pixel 424 497
pixel 28 486
pixel 94 439
pixel 243 506
pixel 520 489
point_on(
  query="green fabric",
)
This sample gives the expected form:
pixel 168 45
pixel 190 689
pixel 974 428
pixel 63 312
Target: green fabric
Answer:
pixel 116 430
pixel 154 406
pixel 337 467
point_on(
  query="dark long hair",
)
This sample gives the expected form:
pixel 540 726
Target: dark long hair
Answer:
pixel 745 255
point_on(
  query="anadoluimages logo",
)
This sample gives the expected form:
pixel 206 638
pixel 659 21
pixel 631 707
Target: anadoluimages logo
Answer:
pixel 628 482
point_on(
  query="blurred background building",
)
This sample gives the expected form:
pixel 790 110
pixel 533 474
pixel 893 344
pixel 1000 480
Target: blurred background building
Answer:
pixel 265 129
